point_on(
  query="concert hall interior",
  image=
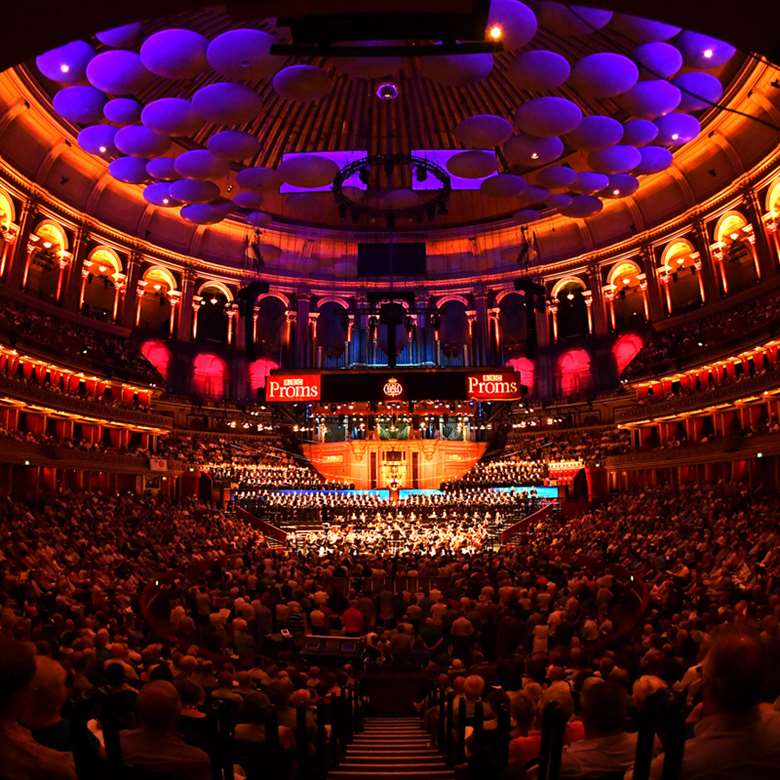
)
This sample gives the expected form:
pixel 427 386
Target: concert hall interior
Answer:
pixel 389 389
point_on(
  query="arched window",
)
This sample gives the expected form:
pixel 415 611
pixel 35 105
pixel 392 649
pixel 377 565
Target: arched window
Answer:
pixel 271 333
pixel 7 211
pixel 331 333
pixel 453 332
pixel 773 197
pixel 628 301
pixel 44 269
pixel 158 354
pixel 208 375
pixel 102 283
pixel 573 376
pixel 570 312
pixel 513 323
pixel 678 274
pixel 213 315
pixel 154 312
pixel 738 260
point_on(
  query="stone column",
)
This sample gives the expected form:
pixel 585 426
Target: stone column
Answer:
pixel 596 312
pixel 494 335
pixel 469 348
pixel 74 286
pixel 763 244
pixel 313 353
pixel 303 305
pixel 185 328
pixel 10 237
pixel 709 274
pixel 655 310
pixel 231 309
pixel 21 253
pixel 542 318
pixel 552 308
pixel 130 310
pixel 197 303
pixel 587 296
pixel 423 346
pixel 483 352
pixel 174 298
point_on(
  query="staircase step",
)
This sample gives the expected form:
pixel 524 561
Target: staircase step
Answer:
pixel 422 774
pixel 406 757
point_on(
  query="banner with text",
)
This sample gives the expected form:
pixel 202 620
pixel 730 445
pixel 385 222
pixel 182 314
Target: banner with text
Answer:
pixel 293 388
pixel 493 386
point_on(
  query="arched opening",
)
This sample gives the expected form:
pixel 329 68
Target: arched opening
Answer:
pixel 570 312
pixel 625 349
pixel 453 332
pixel 628 299
pixel 738 259
pixel 526 369
pixel 158 354
pixel 47 261
pixel 773 197
pixel 7 211
pixel 208 375
pixel 513 323
pixel 680 277
pixel 331 333
pixel 102 283
pixel 154 312
pixel 572 373
pixel 258 373
pixel 213 315
pixel 271 331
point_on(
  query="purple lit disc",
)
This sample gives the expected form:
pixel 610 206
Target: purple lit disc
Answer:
pixel 175 54
pixel 588 182
pixel 539 70
pixel 131 170
pixel 98 139
pixel 118 72
pixel 526 215
pixel 140 141
pixel 78 104
pixel 258 178
pixel 66 64
pixel 621 185
pixel 162 168
pixel 661 60
pixel 456 69
pixel 227 103
pixel 309 170
pixel 595 132
pixel 194 190
pixel 201 164
pixel 159 194
pixel 503 185
pixel 654 160
pixel 699 90
pixel 122 37
pixel 473 164
pixel 172 116
pixel 676 128
pixel 556 177
pixel 483 131
pixel 546 116
pixel 702 51
pixel 122 111
pixel 565 20
pixel 560 200
pixel 582 206
pixel 517 21
pixel 643 30
pixel 650 99
pixel 302 82
pixel 615 159
pixel 604 74
pixel 529 151
pixel 638 132
pixel 202 214
pixel 248 199
pixel 234 145
pixel 243 55
pixel 258 218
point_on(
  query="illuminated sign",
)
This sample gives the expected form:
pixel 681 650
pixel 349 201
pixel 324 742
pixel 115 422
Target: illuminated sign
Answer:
pixel 493 386
pixel 393 388
pixel 292 388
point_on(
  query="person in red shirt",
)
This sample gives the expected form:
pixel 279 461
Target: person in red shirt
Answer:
pixel 352 620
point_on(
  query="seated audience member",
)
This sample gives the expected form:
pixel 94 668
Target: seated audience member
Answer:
pixel 48 694
pixel 21 757
pixel 156 745
pixel 737 737
pixel 606 746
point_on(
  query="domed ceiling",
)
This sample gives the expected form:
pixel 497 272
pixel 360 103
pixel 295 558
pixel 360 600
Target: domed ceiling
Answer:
pixel 551 109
